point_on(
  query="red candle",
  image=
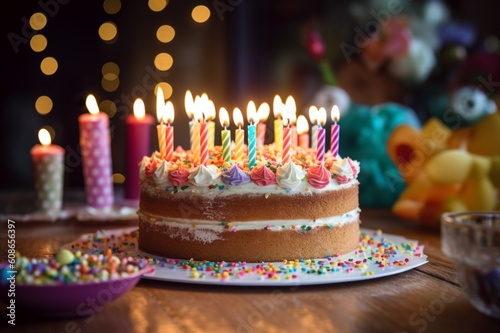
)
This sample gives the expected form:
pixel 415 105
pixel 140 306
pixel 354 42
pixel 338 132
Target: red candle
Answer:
pixel 95 143
pixel 138 145
pixel 204 143
pixel 48 166
pixel 287 142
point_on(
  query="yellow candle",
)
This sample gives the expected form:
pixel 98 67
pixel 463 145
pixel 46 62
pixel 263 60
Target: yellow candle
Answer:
pixel 278 122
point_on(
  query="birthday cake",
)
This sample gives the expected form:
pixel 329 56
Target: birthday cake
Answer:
pixel 226 212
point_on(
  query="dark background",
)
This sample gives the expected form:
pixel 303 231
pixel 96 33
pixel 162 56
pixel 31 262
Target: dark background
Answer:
pixel 254 50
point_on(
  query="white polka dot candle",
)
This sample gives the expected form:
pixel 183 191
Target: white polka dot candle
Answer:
pixel 48 172
pixel 95 144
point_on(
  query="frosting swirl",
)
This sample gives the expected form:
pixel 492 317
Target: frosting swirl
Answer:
pixel 235 176
pixel 203 175
pixel 142 167
pixel 289 175
pixel 263 176
pixel 179 176
pixel 349 171
pixel 150 167
pixel 160 176
pixel 318 176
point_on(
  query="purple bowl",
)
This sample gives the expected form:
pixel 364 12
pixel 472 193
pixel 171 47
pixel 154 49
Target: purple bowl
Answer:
pixel 70 300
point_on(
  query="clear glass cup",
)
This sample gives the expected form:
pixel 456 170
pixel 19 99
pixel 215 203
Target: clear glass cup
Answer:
pixel 472 240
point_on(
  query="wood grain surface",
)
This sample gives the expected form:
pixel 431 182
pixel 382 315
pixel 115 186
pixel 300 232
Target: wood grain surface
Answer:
pixel 425 299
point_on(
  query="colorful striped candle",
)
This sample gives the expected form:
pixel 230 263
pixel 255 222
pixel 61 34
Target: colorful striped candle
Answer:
pixel 204 143
pixel 189 106
pixel 262 115
pixel 335 131
pixel 287 142
pixel 161 128
pixel 169 131
pixel 252 137
pixel 320 142
pixel 240 135
pixel 210 116
pixel 278 122
pixel 225 135
pixel 195 140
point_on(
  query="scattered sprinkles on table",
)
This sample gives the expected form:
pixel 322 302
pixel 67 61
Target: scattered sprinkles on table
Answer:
pixel 375 253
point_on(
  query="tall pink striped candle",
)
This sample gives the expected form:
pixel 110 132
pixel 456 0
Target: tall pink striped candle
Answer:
pixel 239 135
pixel 204 143
pixel 95 145
pixel 320 140
pixel 138 145
pixel 335 131
pixel 287 143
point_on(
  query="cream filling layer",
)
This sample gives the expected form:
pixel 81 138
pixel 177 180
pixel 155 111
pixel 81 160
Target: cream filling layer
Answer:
pixel 273 225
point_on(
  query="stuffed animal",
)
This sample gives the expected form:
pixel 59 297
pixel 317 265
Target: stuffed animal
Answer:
pixel 453 163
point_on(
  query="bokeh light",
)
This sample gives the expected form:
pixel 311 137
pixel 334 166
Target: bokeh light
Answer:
pixel 38 43
pixel 200 14
pixel 38 21
pixel 163 61
pixel 165 33
pixel 43 105
pixel 49 65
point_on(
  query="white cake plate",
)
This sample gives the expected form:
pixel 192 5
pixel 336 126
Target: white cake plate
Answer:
pixel 379 255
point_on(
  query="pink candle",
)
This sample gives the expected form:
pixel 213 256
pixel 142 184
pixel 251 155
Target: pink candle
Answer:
pixel 287 142
pixel 320 143
pixel 48 172
pixel 335 131
pixel 204 143
pixel 295 136
pixel 95 143
pixel 138 145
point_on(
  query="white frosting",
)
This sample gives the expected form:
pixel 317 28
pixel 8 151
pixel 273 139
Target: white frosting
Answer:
pixel 346 169
pixel 206 231
pixel 160 176
pixel 289 175
pixel 142 167
pixel 203 175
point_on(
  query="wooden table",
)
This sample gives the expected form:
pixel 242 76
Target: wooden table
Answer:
pixel 424 299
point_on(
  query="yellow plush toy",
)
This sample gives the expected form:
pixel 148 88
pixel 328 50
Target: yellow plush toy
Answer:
pixel 446 169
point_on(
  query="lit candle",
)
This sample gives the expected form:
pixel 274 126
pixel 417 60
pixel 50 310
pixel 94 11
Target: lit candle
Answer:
pixel 278 122
pixel 287 141
pixel 138 145
pixel 161 128
pixel 48 172
pixel 252 139
pixel 169 131
pixel 320 144
pixel 291 109
pixel 262 115
pixel 95 145
pixel 303 132
pixel 200 117
pixel 335 131
pixel 195 130
pixel 240 135
pixel 225 135
pixel 189 106
pixel 313 117
pixel 210 116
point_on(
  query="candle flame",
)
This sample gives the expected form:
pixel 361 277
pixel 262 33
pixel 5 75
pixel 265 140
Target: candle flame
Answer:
pixel 335 113
pixel 210 110
pixel 189 104
pixel 313 114
pixel 44 137
pixel 224 117
pixel 302 125
pixel 277 107
pixel 198 109
pixel 91 104
pixel 139 109
pixel 169 112
pixel 290 110
pixel 251 112
pixel 238 117
pixel 160 105
pixel 263 112
pixel 321 116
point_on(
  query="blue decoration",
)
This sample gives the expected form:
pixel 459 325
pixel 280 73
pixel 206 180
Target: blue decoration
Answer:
pixel 364 134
